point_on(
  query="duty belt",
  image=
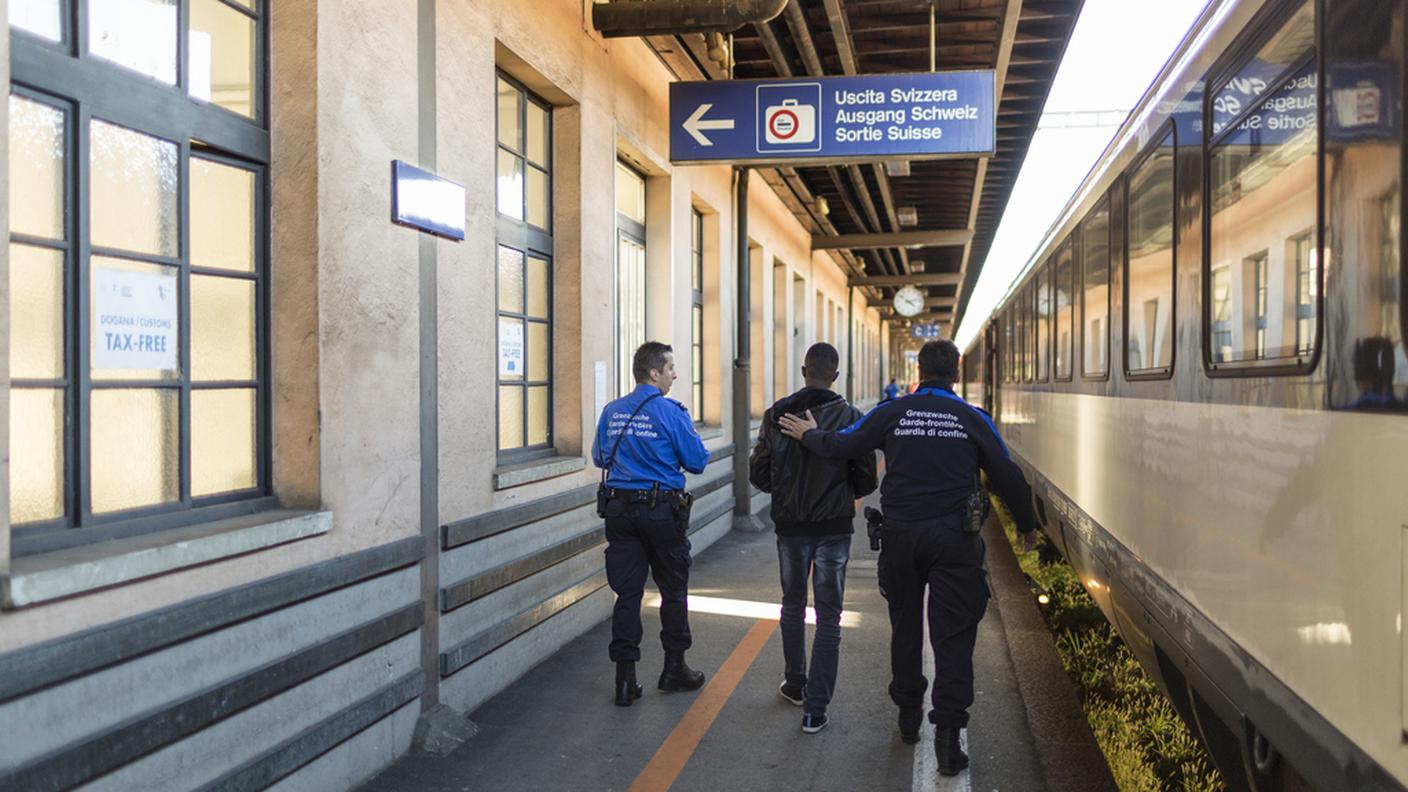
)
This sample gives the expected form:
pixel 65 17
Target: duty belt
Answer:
pixel 639 495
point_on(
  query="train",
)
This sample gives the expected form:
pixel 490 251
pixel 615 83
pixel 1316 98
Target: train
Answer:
pixel 1202 371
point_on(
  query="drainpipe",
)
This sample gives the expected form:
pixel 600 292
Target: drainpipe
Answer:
pixel 743 518
pixel 673 17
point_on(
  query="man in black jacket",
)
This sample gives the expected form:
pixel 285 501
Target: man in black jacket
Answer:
pixel 813 506
pixel 934 443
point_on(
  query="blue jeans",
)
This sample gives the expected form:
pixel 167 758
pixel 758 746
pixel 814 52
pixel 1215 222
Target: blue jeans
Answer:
pixel 824 558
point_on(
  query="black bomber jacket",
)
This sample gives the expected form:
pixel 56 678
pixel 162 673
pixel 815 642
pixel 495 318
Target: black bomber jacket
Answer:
pixel 811 495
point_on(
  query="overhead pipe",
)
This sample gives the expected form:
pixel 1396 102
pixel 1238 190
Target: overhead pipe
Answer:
pixel 623 18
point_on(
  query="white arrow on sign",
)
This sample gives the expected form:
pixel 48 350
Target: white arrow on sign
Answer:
pixel 696 124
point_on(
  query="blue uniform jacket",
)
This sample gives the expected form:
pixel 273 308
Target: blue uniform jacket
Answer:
pixel 660 441
pixel 934 444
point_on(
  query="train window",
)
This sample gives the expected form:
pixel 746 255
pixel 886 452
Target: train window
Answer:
pixel 1024 330
pixel 1263 283
pixel 1043 323
pixel 1065 291
pixel 1095 292
pixel 1031 329
pixel 1149 277
pixel 1007 347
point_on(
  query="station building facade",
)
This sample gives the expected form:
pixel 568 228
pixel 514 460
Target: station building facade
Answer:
pixel 282 474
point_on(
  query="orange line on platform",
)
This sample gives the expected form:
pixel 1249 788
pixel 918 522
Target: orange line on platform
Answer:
pixel 667 763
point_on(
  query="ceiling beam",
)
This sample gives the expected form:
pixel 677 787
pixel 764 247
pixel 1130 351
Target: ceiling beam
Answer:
pixel 912 239
pixel 915 279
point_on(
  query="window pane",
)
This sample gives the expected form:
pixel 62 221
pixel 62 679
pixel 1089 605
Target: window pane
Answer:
pixel 696 238
pixel 508 99
pixel 135 449
pixel 1043 324
pixel 124 294
pixel 222 328
pixel 630 193
pixel 40 17
pixel 537 148
pixel 138 34
pixel 510 185
pixel 222 216
pixel 537 197
pixel 222 441
pixel 36 312
pixel 538 287
pixel 36 454
pixel 1065 311
pixel 1095 301
pixel 510 417
pixel 1150 280
pixel 222 56
pixel 510 280
pixel 133 180
pixel 1283 50
pixel 36 169
pixel 510 349
pixel 538 415
pixel 537 352
pixel 1264 169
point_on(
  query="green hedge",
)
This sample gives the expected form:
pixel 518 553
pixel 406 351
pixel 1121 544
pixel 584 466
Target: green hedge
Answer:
pixel 1147 745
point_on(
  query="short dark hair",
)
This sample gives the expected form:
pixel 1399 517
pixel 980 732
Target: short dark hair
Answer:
pixel 938 360
pixel 822 360
pixel 650 355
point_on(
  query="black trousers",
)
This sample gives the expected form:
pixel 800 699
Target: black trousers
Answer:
pixel 937 554
pixel 640 538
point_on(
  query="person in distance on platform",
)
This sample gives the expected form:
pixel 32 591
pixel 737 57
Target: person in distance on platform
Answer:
pixel 643 440
pixel 892 391
pixel 813 508
pixel 934 444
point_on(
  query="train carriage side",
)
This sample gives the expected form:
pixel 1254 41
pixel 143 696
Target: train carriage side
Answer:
pixel 1203 373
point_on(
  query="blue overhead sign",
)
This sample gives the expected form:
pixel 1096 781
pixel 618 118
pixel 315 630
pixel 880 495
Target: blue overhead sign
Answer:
pixel 910 116
pixel 925 331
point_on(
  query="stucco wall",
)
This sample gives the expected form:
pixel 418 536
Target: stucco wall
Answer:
pixel 344 280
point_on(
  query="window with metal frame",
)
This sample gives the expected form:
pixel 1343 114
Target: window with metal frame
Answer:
pixel 523 269
pixel 1029 331
pixel 138 253
pixel 1149 281
pixel 1064 314
pixel 696 278
pixel 1042 307
pixel 630 272
pixel 1022 307
pixel 1095 292
pixel 1261 194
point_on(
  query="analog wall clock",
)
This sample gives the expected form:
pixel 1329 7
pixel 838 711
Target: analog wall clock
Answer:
pixel 909 301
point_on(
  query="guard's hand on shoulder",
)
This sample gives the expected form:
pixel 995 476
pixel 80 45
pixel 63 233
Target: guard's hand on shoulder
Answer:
pixel 794 426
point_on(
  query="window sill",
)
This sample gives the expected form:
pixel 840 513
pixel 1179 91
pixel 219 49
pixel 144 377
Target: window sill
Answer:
pixel 538 470
pixel 64 573
pixel 707 432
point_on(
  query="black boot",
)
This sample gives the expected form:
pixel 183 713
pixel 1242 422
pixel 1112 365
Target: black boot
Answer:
pixel 627 688
pixel 951 757
pixel 910 718
pixel 678 676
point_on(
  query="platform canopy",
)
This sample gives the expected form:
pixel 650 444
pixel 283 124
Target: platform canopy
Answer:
pixel 890 221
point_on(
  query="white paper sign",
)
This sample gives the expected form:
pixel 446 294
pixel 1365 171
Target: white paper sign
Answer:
pixel 136 324
pixel 510 349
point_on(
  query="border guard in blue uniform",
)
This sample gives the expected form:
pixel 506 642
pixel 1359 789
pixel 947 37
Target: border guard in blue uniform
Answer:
pixel 934 443
pixel 642 442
